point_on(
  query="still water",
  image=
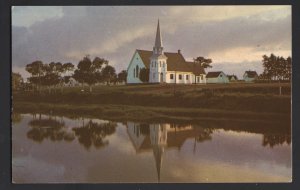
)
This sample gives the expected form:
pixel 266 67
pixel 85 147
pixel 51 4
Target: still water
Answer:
pixel 55 149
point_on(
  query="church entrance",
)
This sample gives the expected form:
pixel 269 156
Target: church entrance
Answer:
pixel 161 78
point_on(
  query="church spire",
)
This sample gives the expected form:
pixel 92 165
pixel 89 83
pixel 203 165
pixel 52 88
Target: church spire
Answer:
pixel 158 49
pixel 158 40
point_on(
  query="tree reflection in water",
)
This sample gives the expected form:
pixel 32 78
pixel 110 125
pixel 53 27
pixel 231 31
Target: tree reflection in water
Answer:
pixel 275 139
pixel 48 128
pixel 93 134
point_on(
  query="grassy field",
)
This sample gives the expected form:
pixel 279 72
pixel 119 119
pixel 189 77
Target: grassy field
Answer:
pixel 258 98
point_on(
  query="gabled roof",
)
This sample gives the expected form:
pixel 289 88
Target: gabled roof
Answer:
pixel 231 77
pixel 251 74
pixel 214 74
pixel 175 61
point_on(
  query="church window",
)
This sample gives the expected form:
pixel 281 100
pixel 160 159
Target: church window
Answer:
pixel 137 71
pixel 133 72
pixel 159 63
pixel 187 77
pixel 180 77
pixel 171 76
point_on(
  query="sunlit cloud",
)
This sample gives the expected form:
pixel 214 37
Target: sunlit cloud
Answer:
pixel 29 15
pixel 227 34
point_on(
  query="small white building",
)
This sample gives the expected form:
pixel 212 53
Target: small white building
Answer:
pixel 164 67
pixel 250 76
pixel 71 83
pixel 216 77
pixel 232 78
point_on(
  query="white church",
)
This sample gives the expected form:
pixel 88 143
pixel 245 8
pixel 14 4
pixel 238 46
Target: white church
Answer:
pixel 164 67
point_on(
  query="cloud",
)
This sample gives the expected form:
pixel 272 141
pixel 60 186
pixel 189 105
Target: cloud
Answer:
pixel 20 16
pixel 115 32
pixel 221 13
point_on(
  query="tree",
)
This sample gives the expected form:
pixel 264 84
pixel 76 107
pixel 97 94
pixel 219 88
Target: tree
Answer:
pixel 199 63
pixel 203 62
pixel 89 71
pixel 66 68
pixel 144 75
pixel 122 76
pixel 108 73
pixel 52 74
pixel 276 68
pixel 36 69
pixel 288 69
pixel 16 81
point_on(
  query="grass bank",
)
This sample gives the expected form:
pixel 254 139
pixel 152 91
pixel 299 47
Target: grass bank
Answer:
pixel 147 114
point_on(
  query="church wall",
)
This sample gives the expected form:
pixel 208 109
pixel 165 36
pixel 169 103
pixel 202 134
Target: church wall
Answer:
pixel 157 67
pixel 183 79
pixel 131 70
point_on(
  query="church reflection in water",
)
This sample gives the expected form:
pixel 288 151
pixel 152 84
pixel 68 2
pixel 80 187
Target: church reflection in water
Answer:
pixel 158 137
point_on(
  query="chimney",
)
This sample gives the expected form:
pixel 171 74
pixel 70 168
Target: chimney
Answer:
pixel 179 51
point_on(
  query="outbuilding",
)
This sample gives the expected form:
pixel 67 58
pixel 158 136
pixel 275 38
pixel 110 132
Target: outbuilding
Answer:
pixel 232 78
pixel 216 77
pixel 250 76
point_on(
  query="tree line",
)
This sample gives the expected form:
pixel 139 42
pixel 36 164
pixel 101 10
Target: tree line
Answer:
pixel 88 72
pixel 276 68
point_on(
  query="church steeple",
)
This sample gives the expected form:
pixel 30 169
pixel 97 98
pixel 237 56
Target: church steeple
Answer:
pixel 158 48
pixel 158 40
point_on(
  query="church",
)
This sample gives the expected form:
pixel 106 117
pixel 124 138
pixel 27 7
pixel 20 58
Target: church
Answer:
pixel 164 67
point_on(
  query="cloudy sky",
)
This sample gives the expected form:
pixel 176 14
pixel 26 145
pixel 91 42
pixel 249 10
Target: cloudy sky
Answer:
pixel 234 37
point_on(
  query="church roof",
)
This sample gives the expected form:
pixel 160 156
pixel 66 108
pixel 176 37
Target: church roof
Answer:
pixel 175 61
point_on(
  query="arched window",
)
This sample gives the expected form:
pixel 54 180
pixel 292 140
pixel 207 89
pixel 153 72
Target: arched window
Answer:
pixel 137 71
pixel 133 72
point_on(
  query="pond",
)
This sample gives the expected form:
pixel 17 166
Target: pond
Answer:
pixel 57 149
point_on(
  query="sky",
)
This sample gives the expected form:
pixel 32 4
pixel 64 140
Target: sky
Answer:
pixel 234 37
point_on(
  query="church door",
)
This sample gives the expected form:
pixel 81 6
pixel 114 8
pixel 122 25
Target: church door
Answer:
pixel 161 77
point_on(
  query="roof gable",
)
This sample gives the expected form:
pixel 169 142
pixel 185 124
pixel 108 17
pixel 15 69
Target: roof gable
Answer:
pixel 214 74
pixel 232 77
pixel 251 74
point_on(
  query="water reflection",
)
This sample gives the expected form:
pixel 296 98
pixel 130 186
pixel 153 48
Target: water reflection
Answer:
pixel 160 136
pixel 53 128
pixel 16 118
pixel 158 140
pixel 93 134
pixel 48 128
pixel 272 140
